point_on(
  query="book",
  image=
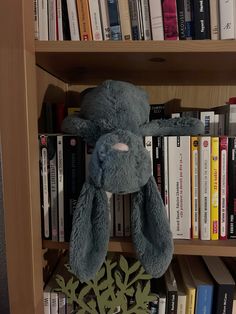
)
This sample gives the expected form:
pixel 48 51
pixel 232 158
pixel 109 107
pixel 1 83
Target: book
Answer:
pixel 207 118
pixel 188 283
pixel 165 153
pixel 227 10
pixel 114 19
pixel 189 31
pixel 158 166
pixel 181 291
pixel 229 112
pixel 232 187
pixel 171 291
pixel 203 282
pixel 119 215
pixel 135 20
pixel 110 199
pixel 214 19
pixel 60 188
pixel 149 147
pixel 205 186
pixel 73 19
pixel 36 19
pixel 201 18
pixel 214 188
pixel 170 22
pixel 223 202
pixel 65 21
pixel 105 20
pixel 224 285
pixel 84 20
pixel 123 6
pixel 52 20
pixel 179 186
pixel 145 18
pixel 43 19
pixel 156 20
pixel 95 20
pixel 181 19
pixel 195 186
pixel 127 212
pixel 231 265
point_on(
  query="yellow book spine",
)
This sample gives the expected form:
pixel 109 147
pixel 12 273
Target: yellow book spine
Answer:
pixel 214 188
pixel 195 186
pixel 190 302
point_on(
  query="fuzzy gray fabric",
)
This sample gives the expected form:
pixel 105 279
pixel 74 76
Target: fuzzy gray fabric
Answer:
pixel 115 116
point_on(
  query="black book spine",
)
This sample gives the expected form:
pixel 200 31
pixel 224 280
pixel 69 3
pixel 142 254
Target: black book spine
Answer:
pixel 157 112
pixel 65 21
pixel 181 19
pixel 201 19
pixel 172 302
pixel 73 165
pixel 232 188
pixel 157 163
pixel 223 299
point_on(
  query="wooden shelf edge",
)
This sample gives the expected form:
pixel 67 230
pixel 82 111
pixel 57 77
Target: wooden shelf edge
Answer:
pixel 182 247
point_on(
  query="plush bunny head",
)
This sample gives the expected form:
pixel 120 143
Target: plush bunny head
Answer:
pixel 114 117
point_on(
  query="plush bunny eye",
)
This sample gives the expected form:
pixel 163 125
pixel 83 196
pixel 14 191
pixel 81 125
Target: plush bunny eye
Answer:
pixel 121 146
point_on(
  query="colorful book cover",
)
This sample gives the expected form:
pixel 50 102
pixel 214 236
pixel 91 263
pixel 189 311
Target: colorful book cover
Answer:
pixel 195 186
pixel 169 11
pixel 84 20
pixel 232 187
pixel 214 188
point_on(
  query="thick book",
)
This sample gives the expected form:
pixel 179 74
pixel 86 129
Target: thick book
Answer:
pixel 95 19
pixel 227 12
pixel 84 20
pixel 201 19
pixel 203 282
pixel 105 20
pixel 232 187
pixel 125 22
pixel 179 186
pixel 114 18
pixel 135 19
pixel 43 19
pixel 224 285
pixel 156 19
pixel 170 20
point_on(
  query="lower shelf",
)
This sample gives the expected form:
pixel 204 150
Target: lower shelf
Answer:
pixel 182 247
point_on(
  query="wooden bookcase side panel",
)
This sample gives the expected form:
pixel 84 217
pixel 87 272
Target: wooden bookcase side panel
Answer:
pixel 18 121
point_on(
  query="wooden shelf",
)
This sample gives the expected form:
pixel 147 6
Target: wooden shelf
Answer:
pixel 207 62
pixel 182 247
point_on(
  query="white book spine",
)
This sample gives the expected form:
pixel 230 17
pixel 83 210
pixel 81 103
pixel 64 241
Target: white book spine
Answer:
pixel 60 180
pixel 59 20
pixel 123 6
pixel 52 20
pixel 227 19
pixel 149 147
pixel 162 305
pixel 119 215
pixel 214 18
pixel 205 187
pixel 53 197
pixel 127 206
pixel 181 305
pixel 179 186
pixel 46 302
pixel 36 19
pixel 146 19
pixel 45 192
pixel 54 303
pixel 105 20
pixel 43 19
pixel 110 200
pixel 166 175
pixel 73 19
pixel 156 19
pixel 95 20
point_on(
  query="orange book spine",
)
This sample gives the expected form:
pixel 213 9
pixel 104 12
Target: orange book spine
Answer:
pixel 84 20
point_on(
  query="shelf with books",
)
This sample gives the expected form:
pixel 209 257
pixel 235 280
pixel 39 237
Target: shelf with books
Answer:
pixel 89 62
pixel 181 247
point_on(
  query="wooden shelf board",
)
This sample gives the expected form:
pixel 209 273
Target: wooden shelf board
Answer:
pixel 182 247
pixel 143 62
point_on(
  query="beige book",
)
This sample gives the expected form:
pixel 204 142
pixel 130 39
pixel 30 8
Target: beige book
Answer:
pixel 214 17
pixel 123 6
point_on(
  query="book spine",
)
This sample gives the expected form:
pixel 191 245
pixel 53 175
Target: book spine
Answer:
pixel 181 19
pixel 53 186
pixel 59 20
pixel 114 19
pixel 43 19
pixel 127 208
pixel 61 303
pixel 149 147
pixel 46 302
pixel 172 302
pixel 179 186
pixel 84 20
pixel 227 19
pixel 169 11
pixel 204 299
pixel 60 182
pixel 119 215
pixel 208 119
pixel 166 175
pixel 156 19
pixel 95 20
pixel 36 19
pixel 110 199
pixel 135 19
pixel 205 188
pixel 52 20
pixel 65 21
pixel 54 303
pixel 189 31
pixel 123 6
pixel 201 18
pixel 232 188
pixel 214 18
pixel 105 20
pixel 195 186
pixel 214 188
pixel 157 162
pixel 223 187
pixel 144 5
pixel 73 20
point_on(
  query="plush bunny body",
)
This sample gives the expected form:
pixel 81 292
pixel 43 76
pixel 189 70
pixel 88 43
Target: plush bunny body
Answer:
pixel 115 116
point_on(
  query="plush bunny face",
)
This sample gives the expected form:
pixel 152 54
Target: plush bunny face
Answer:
pixel 120 163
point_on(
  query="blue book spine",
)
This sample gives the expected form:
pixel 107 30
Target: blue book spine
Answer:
pixel 204 299
pixel 114 20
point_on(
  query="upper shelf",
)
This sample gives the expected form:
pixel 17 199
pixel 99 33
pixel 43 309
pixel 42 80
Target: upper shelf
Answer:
pixel 205 62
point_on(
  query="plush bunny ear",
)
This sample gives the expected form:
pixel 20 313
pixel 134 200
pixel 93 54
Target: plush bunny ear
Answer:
pixel 90 232
pixel 175 126
pixel 75 125
pixel 151 233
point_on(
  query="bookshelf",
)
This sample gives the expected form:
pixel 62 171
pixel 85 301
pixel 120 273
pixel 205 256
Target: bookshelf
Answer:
pixel 202 72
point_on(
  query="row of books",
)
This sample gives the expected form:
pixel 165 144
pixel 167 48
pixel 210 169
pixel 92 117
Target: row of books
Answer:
pixel 134 19
pixel 196 178
pixel 191 284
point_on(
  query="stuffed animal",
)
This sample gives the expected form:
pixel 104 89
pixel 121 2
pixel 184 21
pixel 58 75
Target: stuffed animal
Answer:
pixel 114 117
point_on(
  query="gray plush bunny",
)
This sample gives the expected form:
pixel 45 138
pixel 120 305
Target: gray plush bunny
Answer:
pixel 114 117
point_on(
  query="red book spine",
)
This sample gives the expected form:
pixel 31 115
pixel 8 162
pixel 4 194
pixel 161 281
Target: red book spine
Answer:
pixel 170 21
pixel 223 187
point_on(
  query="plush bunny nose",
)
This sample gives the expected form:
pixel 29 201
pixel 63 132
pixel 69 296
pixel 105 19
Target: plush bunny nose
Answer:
pixel 121 146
